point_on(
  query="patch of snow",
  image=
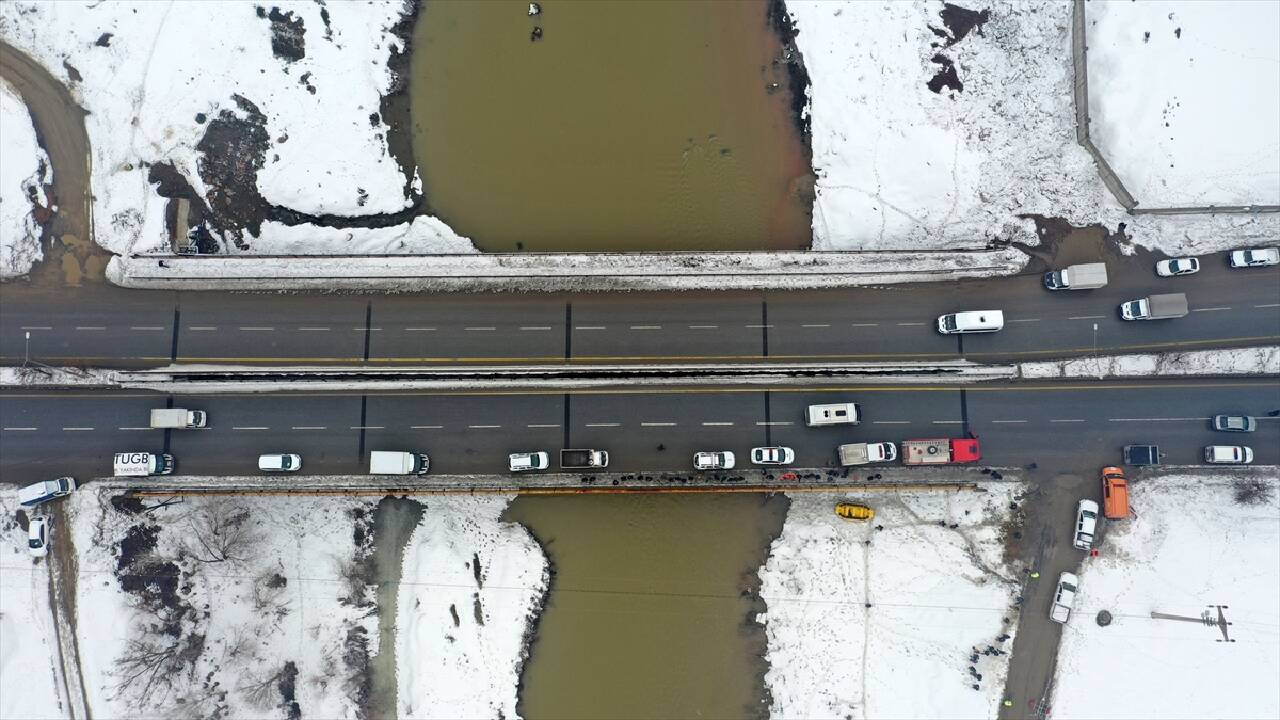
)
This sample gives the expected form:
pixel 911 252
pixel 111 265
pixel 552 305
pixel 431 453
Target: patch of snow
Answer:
pixel 1190 546
pixel 24 169
pixel 288 608
pixel 423 235
pixel 55 376
pixel 461 626
pixel 882 623
pixel 564 271
pixel 1234 361
pixel 902 167
pixel 28 645
pixel 1176 235
pixel 1185 99
pixel 144 76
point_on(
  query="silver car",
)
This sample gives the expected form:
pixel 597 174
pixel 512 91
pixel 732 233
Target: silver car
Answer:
pixel 1234 423
pixel 1255 257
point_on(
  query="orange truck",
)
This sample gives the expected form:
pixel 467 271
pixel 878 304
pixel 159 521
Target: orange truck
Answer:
pixel 1115 494
pixel 941 451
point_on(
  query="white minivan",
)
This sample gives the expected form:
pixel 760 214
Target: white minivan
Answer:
pixel 971 321
pixel 833 414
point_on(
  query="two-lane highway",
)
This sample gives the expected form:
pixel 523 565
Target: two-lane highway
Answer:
pixel 1058 424
pixel 105 326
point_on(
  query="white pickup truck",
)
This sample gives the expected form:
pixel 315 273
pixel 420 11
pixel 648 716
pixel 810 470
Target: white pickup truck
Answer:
pixel 864 453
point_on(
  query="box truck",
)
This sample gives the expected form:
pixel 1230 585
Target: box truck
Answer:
pixel 178 419
pixel 1087 276
pixel 390 462
pixel 1155 307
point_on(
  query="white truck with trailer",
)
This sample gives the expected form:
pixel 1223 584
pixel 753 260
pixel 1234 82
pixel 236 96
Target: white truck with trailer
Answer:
pixel 393 462
pixel 1155 307
pixel 1086 276
pixel 142 464
pixel 178 419
pixel 864 453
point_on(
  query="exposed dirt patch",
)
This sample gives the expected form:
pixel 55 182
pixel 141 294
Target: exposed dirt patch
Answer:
pixel 288 34
pixel 793 62
pixel 957 22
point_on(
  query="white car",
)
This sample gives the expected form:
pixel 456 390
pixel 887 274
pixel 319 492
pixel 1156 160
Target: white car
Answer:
pixel 38 536
pixel 1228 455
pixel 773 455
pixel 722 460
pixel 280 462
pixel 1063 598
pixel 526 461
pixel 1178 266
pixel 1255 257
pixel 1086 524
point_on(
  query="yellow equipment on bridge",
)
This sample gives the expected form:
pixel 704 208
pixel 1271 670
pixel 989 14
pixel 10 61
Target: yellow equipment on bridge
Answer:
pixel 854 511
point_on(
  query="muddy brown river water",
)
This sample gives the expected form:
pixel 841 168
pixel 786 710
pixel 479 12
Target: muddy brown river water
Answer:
pixel 627 126
pixel 652 606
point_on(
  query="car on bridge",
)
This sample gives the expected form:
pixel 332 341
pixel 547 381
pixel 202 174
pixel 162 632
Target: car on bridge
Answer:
pixel 773 455
pixel 526 461
pixel 1228 455
pixel 1234 423
pixel 280 462
pixel 1177 266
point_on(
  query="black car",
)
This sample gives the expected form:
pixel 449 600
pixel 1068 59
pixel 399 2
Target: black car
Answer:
pixel 1142 455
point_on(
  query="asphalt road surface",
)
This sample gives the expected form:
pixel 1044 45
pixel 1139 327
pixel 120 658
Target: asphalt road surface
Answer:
pixel 106 326
pixel 44 434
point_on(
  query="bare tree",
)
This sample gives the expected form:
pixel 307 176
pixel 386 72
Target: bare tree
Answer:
pixel 149 669
pixel 221 532
pixel 262 692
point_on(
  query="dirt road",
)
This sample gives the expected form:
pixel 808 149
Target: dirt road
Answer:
pixel 71 256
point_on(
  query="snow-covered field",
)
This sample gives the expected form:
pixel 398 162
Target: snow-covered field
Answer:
pixel 223 607
pixel 28 648
pixel 155 76
pixel 882 618
pixel 470 588
pixel 1192 545
pixel 1184 99
pixel 900 166
pixel 24 168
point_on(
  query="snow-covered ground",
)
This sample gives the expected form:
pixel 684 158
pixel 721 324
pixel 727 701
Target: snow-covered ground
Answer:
pixel 882 618
pixel 470 588
pixel 1234 361
pixel 900 166
pixel 156 75
pixel 1185 99
pixel 28 647
pixel 24 168
pixel 1192 545
pixel 223 606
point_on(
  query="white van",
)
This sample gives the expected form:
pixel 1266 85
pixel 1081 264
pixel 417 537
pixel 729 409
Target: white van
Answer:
pixel 971 321
pixel 833 414
pixel 45 490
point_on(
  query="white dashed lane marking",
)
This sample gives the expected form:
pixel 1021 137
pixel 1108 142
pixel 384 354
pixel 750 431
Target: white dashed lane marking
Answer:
pixel 484 427
pixel 256 329
pixel 1008 421
pixel 1026 320
pixel 588 327
pixel 76 429
pixel 890 422
pixel 657 424
pixel 775 422
pixel 1086 317
pixel 718 424
pixel 309 427
pixel 1213 309
pixel 90 327
pixel 21 429
pixel 816 325
pixel 367 427
pixel 202 328
pixel 646 327
pixel 35 327
pixel 486 328
pixel 426 427
pixel 535 327
pixel 904 324
pixel 312 329
pixel 864 324
pixel 1066 420
pixel 543 425
pixel 704 327
pixel 146 327
pixel 250 427
pixel 603 424
pixel 419 329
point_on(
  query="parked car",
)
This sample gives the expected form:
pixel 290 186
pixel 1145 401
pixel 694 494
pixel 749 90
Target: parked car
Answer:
pixel 279 462
pixel 1064 597
pixel 1142 454
pixel 855 511
pixel 1228 455
pixel 722 460
pixel 45 490
pixel 1115 493
pixel 1086 523
pixel 38 536
pixel 1234 423
pixel 1255 257
pixel 526 461
pixel 773 455
pixel 1177 266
